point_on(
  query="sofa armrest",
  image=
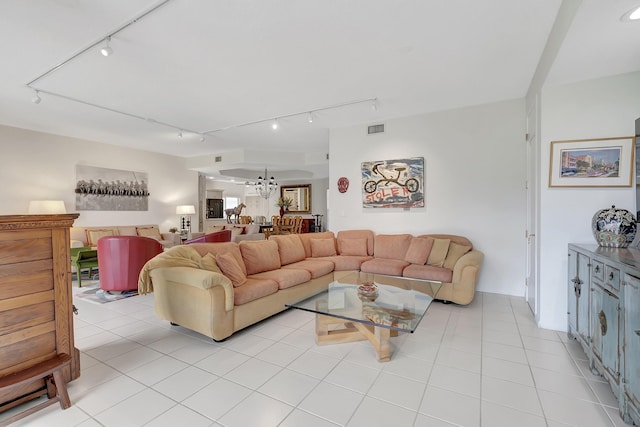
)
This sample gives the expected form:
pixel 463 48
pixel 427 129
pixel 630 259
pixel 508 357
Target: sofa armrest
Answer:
pixel 174 238
pixel 201 279
pixel 462 288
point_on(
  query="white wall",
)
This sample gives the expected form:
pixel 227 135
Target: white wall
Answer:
pixel 40 166
pixel 474 179
pixel 599 108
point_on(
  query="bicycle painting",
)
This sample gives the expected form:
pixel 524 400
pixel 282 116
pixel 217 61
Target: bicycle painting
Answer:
pixel 393 183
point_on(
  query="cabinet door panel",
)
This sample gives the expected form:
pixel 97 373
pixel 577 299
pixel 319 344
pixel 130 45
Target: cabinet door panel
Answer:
pixel 632 338
pixel 572 301
pixel 595 308
pixel 583 296
pixel 610 335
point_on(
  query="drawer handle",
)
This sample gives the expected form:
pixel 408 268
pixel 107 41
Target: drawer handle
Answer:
pixel 611 276
pixel 603 322
pixel 637 331
pixel 597 269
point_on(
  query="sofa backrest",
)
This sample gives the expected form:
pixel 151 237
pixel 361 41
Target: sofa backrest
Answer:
pixel 80 233
pixel 220 248
pixel 290 248
pixel 347 239
pixel 456 239
pixel 306 239
pixel 392 246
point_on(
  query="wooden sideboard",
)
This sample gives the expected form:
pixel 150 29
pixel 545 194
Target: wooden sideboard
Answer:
pixel 36 306
pixel 604 317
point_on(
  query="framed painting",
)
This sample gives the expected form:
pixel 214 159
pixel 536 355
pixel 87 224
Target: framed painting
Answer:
pixel 101 189
pixel 397 183
pixel 602 162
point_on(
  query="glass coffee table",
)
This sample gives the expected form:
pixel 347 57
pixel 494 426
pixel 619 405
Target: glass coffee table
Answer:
pixel 363 306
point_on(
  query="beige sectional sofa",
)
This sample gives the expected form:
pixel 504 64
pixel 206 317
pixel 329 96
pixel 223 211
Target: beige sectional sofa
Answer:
pixel 239 232
pixel 88 236
pixel 219 288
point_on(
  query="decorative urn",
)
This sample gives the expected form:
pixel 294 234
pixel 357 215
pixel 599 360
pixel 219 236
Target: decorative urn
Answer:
pixel 614 228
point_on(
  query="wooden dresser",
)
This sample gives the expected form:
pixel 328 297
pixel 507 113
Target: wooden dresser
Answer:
pixel 36 309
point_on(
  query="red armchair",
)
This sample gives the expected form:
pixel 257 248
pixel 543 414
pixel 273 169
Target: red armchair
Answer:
pixel 121 258
pixel 218 236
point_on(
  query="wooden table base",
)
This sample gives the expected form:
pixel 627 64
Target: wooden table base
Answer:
pixel 327 333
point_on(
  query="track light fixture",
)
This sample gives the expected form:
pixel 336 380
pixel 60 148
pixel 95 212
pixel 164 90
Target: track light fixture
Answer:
pixel 106 50
pixel 310 117
pixel 180 133
pixel 202 138
pixel 274 125
pixel 36 98
pixel 374 104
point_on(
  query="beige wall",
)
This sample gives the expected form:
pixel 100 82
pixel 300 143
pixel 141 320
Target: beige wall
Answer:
pixel 40 166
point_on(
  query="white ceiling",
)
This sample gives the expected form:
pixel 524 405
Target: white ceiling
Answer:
pixel 203 65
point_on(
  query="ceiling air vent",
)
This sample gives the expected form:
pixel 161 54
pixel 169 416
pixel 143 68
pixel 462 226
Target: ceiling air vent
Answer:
pixel 218 159
pixel 375 129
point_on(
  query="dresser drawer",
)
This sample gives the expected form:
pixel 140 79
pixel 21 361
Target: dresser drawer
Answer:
pixel 597 270
pixel 612 277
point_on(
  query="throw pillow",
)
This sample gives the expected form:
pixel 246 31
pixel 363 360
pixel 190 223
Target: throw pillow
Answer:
pixel 94 235
pixel 208 262
pixel 438 252
pixel 231 269
pixel 419 250
pixel 152 232
pixel 357 247
pixel 322 247
pixel 455 253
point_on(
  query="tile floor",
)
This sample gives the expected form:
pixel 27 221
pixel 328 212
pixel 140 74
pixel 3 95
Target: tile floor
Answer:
pixel 486 364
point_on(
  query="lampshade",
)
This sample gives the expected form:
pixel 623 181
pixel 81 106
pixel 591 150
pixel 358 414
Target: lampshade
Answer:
pixel 185 210
pixel 46 207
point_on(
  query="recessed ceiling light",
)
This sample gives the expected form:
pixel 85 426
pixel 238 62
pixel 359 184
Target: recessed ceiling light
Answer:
pixel 632 15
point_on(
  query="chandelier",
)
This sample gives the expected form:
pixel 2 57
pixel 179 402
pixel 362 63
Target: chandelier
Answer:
pixel 265 188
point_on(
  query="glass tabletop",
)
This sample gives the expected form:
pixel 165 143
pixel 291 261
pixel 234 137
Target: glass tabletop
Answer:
pixel 396 303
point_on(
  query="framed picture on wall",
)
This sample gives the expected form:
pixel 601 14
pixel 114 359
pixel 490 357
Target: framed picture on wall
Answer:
pixel 602 162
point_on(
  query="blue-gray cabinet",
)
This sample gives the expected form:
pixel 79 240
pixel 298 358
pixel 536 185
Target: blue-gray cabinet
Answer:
pixel 603 316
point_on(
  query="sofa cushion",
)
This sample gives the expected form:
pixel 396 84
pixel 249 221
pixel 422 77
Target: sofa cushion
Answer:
pixel 231 269
pixel 253 289
pixel 259 256
pixel 93 235
pixel 317 268
pixel 151 232
pixel 454 254
pixel 390 267
pixel 285 278
pixel 322 247
pixel 356 234
pixel 391 246
pixel 306 238
pixel 290 248
pixel 353 247
pixel 419 250
pixel 428 272
pixel 438 252
pixel 127 230
pixel 208 262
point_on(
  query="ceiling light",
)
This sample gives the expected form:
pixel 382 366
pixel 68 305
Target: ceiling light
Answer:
pixel 106 50
pixel 274 125
pixel 180 133
pixel 265 188
pixel 632 15
pixel 36 98
pixel 310 118
pixel 374 104
pixel 201 138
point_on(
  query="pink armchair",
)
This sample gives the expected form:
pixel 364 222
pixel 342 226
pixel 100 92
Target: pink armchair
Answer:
pixel 121 258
